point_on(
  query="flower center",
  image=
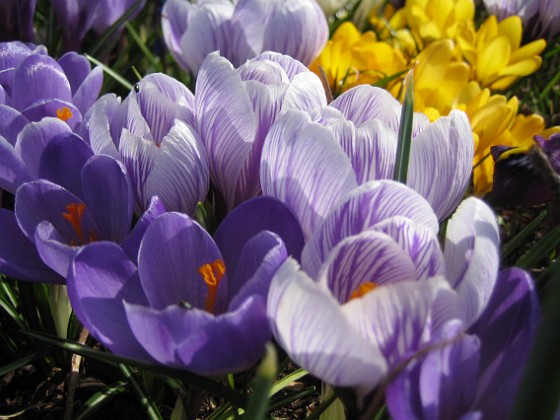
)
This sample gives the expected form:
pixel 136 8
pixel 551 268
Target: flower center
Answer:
pixel 363 289
pixel 212 273
pixel 64 113
pixel 74 214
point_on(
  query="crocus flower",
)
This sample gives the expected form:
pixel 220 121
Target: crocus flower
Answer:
pixel 190 302
pixel 151 133
pixel 375 277
pixel 235 109
pixel 242 30
pixel 354 141
pixel 79 16
pixel 475 372
pixel 16 20
pixel 525 9
pixel 35 85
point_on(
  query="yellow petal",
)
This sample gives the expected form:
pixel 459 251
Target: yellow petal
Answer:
pixel 492 58
pixel 512 27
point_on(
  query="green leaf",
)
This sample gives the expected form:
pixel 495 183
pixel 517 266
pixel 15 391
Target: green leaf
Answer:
pixel 540 250
pixel 110 72
pixel 539 394
pixel 286 380
pixel 110 358
pixel 518 239
pixel 405 131
pixel 23 361
pixel 258 403
pixel 149 406
pixel 143 47
pixel 100 399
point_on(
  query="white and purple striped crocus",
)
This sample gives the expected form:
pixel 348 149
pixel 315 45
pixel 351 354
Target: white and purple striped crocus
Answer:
pixel 242 30
pixel 151 133
pixel 374 283
pixel 310 160
pixel 235 108
pixel 474 372
pixel 34 85
pixel 191 301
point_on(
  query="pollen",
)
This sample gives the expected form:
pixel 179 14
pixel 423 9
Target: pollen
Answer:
pixel 64 113
pixel 74 215
pixel 212 274
pixel 363 289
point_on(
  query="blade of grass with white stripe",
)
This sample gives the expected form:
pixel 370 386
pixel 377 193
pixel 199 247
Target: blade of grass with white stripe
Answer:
pixel 405 131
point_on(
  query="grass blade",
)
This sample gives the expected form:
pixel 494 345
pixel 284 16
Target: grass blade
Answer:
pixel 405 132
pixel 258 403
pixel 151 410
pixel 125 83
pixel 23 361
pixel 286 380
pixel 518 239
pixel 143 47
pixel 541 249
pixel 100 399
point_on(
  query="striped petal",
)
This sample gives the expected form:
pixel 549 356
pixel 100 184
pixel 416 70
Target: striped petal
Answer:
pixel 441 162
pixel 304 167
pixel 472 256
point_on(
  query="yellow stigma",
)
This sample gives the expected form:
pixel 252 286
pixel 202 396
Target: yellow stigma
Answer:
pixel 64 113
pixel 212 273
pixel 363 289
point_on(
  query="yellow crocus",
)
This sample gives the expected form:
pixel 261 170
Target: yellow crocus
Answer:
pixel 495 52
pixel 351 58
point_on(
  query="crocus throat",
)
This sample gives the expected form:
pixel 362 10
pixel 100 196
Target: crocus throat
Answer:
pixel 363 289
pixel 74 215
pixel 64 113
pixel 212 274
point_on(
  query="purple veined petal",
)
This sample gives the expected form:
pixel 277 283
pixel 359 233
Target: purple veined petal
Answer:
pixel 35 137
pixel 373 151
pixel 100 280
pixel 209 30
pixel 291 66
pixel 441 162
pixel 18 254
pixel 233 341
pixel 361 209
pixel 260 258
pixel 267 101
pixel 173 250
pixel 175 18
pixel 88 91
pixel 252 217
pixel 180 175
pixel 76 67
pixel 101 137
pixel 12 122
pixel 160 331
pixel 226 129
pixel 2 95
pixel 131 244
pixel 305 92
pixel 39 77
pixel 76 17
pixel 42 200
pixel 52 108
pixel 366 257
pixel 471 256
pixel 304 167
pixel 294 27
pixel 108 195
pixel 247 31
pixel 62 161
pixel 11 55
pixel 507 329
pixel 52 248
pixel 418 242
pixel 13 170
pixel 364 103
pixel 136 123
pixel 139 156
pixel 394 317
pixel 300 311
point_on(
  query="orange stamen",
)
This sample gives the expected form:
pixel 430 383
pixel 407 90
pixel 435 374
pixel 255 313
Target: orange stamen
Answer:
pixel 64 113
pixel 212 273
pixel 74 217
pixel 363 289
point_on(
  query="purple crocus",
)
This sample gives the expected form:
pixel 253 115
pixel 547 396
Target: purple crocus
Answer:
pixel 242 30
pixel 151 133
pixel 475 372
pixel 234 110
pixel 77 17
pixel 16 20
pixel 190 301
pixel 353 141
pixel 35 85
pixel 374 276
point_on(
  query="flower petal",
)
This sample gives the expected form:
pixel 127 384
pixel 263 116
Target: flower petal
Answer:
pixel 52 248
pixel 13 170
pixel 441 162
pixel 472 256
pixel 304 167
pixel 300 311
